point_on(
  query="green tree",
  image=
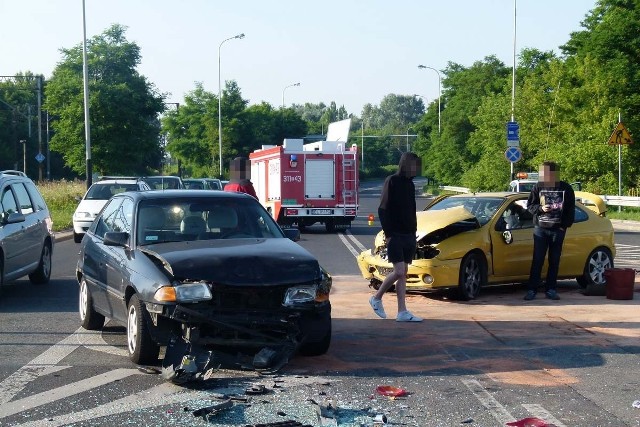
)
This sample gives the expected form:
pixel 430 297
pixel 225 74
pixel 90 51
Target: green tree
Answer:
pixel 123 107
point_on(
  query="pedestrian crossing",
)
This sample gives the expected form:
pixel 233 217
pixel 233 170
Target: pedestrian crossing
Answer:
pixel 627 256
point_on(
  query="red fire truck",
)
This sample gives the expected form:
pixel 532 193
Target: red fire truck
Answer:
pixel 309 183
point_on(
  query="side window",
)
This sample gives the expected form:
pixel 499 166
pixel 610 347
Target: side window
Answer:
pixel 580 215
pixel 123 216
pixel 104 222
pixel 38 202
pixel 9 204
pixel 23 199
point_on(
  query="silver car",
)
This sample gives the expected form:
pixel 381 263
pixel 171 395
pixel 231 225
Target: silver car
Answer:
pixel 26 230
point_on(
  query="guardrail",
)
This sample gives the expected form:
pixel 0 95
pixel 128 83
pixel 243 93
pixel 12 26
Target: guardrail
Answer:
pixel 628 201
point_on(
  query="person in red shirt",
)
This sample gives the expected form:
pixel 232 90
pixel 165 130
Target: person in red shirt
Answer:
pixel 240 177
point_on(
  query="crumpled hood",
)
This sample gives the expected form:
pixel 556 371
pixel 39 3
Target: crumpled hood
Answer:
pixel 240 262
pixel 433 220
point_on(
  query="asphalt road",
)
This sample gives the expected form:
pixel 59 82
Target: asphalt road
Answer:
pixel 572 362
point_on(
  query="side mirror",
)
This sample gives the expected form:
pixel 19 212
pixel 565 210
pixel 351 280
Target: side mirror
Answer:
pixel 292 233
pixel 11 218
pixel 116 238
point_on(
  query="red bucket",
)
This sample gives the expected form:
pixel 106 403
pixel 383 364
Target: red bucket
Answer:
pixel 620 282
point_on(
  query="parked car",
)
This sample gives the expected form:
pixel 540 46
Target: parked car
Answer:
pixel 468 241
pixel 26 230
pixel 202 184
pixel 96 197
pixel 163 182
pixel 210 275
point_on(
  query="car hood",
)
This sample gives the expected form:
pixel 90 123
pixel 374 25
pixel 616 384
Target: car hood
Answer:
pixel 91 206
pixel 592 201
pixel 239 262
pixel 432 221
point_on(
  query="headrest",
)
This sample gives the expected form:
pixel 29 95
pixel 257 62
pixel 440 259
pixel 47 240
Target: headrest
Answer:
pixel 223 217
pixel 193 225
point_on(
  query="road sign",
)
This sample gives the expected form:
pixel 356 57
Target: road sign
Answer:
pixel 513 154
pixel 40 158
pixel 513 134
pixel 620 136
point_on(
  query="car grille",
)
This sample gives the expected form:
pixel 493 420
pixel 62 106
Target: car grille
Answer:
pixel 242 298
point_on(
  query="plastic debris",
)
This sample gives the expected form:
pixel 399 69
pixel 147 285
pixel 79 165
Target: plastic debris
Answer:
pixel 149 370
pixel 256 389
pixel 391 391
pixel 530 422
pixel 636 404
pixel 380 420
pixel 212 410
pixel 467 421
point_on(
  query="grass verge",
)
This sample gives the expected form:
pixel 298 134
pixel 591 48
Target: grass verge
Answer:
pixel 61 198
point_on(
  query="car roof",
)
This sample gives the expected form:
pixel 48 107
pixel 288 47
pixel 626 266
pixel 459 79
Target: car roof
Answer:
pixel 175 194
pixel 116 181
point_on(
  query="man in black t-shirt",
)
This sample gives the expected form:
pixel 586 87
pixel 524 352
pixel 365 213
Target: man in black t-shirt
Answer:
pixel 397 213
pixel 552 203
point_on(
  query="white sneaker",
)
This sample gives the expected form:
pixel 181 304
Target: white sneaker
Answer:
pixel 376 304
pixel 406 316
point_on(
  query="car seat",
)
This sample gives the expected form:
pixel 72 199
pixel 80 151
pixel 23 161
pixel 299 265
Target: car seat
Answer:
pixel 222 220
pixel 151 222
pixel 192 227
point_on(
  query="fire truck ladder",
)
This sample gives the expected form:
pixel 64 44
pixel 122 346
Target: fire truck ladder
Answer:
pixel 349 178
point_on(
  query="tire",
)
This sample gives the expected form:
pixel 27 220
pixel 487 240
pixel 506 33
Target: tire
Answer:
pixel 330 226
pixel 473 276
pixel 91 319
pixel 317 348
pixel 43 272
pixel 142 349
pixel 1 270
pixel 77 237
pixel 598 261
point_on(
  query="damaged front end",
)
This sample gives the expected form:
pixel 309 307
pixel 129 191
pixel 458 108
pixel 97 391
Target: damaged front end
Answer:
pixel 242 327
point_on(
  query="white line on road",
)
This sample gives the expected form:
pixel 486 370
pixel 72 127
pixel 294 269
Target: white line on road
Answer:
pixel 355 241
pixel 49 396
pixel 93 340
pixel 498 411
pixel 539 412
pixel 351 249
pixel 43 364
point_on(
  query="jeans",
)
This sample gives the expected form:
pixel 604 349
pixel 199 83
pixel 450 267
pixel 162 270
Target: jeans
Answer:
pixel 544 239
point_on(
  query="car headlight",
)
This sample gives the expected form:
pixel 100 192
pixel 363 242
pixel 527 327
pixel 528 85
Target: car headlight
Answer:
pixel 300 294
pixel 183 293
pixel 82 215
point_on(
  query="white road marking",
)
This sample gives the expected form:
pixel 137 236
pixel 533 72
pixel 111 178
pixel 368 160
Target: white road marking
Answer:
pixel 627 256
pixel 49 396
pixel 355 241
pixel 351 249
pixel 539 412
pixel 498 411
pixel 43 364
pixel 93 340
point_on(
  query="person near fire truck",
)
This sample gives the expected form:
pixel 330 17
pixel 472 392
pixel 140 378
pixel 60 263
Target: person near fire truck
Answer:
pixel 240 177
pixel 397 213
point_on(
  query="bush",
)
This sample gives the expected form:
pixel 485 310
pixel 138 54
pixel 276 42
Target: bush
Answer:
pixel 62 200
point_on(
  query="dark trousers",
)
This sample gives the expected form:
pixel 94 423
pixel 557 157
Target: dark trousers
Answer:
pixel 546 239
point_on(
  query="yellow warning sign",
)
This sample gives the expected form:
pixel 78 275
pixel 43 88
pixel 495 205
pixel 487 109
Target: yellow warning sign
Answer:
pixel 620 136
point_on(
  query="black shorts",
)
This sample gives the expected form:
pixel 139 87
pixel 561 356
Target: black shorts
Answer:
pixel 401 248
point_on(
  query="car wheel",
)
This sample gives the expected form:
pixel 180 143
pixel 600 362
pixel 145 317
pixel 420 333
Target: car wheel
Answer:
pixel 598 261
pixel 1 270
pixel 142 349
pixel 91 319
pixel 43 272
pixel 317 348
pixel 473 276
pixel 330 226
pixel 77 237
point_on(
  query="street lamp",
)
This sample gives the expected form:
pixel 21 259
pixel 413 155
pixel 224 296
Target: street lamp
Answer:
pixel 439 94
pixel 24 155
pixel 285 88
pixel 239 36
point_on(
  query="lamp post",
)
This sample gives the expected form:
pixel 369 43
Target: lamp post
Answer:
pixel 24 155
pixel 285 88
pixel 439 94
pixel 239 36
pixel 85 81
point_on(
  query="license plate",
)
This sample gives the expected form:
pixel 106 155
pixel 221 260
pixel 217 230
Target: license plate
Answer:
pixel 320 211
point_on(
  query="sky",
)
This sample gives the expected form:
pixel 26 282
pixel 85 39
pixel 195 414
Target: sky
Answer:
pixel 352 52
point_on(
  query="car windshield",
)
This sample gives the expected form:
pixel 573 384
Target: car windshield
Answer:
pixel 169 220
pixel 163 183
pixel 483 208
pixel 105 191
pixel 193 185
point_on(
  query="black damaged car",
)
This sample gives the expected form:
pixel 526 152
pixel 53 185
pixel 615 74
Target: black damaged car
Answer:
pixel 209 275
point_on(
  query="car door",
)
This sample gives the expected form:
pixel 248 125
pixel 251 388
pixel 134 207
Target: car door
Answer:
pixel 11 234
pixel 95 256
pixel 32 236
pixel 512 242
pixel 117 262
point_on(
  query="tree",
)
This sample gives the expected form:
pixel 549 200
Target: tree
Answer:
pixel 123 107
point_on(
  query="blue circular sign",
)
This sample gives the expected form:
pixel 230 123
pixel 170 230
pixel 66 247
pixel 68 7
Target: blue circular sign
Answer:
pixel 513 154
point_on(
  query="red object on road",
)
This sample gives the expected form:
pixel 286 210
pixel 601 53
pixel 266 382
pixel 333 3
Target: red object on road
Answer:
pixel 530 422
pixel 391 391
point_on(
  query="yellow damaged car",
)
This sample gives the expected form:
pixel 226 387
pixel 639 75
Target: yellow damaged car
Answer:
pixel 467 241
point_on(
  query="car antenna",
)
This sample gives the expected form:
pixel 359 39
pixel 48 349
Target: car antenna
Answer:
pixel 555 99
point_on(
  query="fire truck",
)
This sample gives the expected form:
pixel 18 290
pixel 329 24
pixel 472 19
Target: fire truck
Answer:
pixel 305 184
